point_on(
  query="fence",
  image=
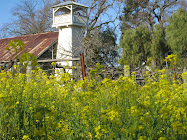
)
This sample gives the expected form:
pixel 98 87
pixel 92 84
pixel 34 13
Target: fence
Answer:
pixel 47 67
pixel 80 72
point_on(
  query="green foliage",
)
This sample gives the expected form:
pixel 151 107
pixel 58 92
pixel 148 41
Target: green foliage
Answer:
pixel 140 43
pixel 136 45
pixel 15 45
pixel 109 50
pixel 95 73
pixel 25 58
pixel 103 49
pixel 158 47
pixel 161 41
pixel 59 108
pixel 147 12
pixel 177 34
pixel 177 31
pixel 132 15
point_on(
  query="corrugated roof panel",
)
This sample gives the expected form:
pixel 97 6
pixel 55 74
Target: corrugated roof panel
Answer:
pixel 34 44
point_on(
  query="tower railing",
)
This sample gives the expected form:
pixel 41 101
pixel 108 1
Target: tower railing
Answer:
pixel 62 19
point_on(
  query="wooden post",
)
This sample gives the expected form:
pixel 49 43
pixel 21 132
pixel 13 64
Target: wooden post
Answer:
pixel 173 67
pixel 126 71
pixel 29 67
pixel 28 70
pixel 82 63
pixel 184 78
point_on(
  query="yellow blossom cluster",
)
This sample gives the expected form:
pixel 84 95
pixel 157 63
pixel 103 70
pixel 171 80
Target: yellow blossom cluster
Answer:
pixel 34 106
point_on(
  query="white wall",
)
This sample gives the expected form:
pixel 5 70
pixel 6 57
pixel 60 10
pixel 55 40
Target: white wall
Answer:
pixel 70 44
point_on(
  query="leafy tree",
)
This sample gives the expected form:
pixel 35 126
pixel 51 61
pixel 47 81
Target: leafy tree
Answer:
pixel 141 13
pixel 14 48
pixel 133 13
pixel 177 34
pixel 109 50
pixel 15 45
pixel 140 43
pixel 138 12
pixel 25 58
pixel 136 45
pixel 159 47
pixel 104 49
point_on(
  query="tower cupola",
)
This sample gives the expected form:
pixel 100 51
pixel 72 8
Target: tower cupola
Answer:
pixel 69 13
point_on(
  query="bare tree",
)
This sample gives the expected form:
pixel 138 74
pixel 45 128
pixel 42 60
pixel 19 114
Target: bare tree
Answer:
pixel 31 17
pixel 35 16
pixel 101 13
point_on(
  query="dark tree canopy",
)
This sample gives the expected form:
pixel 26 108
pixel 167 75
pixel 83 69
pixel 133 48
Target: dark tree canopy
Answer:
pixel 104 49
pixel 152 14
pixel 138 12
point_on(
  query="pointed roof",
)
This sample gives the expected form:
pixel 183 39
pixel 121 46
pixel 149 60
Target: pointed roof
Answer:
pixel 36 44
pixel 69 3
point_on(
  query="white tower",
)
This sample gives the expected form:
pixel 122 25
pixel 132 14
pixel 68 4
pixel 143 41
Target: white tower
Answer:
pixel 70 18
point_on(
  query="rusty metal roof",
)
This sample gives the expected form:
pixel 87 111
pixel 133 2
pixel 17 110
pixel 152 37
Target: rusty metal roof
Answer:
pixel 36 44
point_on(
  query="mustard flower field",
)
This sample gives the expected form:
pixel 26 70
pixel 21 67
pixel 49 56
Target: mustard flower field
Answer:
pixel 35 107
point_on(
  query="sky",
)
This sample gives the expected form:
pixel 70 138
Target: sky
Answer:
pixel 5 10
